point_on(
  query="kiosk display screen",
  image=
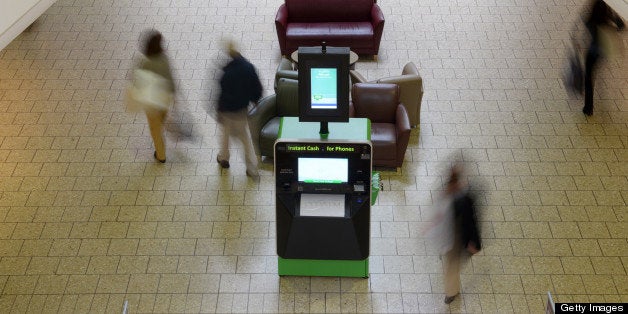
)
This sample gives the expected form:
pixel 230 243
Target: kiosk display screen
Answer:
pixel 324 88
pixel 323 170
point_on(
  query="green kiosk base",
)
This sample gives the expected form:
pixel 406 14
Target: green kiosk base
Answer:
pixel 356 130
pixel 326 268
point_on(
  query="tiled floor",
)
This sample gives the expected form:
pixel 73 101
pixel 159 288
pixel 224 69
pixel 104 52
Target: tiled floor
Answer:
pixel 89 220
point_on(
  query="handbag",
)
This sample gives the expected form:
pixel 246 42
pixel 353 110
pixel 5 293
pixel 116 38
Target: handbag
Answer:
pixel 148 90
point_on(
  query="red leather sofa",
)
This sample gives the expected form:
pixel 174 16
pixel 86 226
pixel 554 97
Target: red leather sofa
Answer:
pixel 357 24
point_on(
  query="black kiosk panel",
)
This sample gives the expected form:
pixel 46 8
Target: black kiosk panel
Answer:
pixel 324 84
pixel 323 199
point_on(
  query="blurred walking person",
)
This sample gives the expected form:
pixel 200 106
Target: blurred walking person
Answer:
pixel 239 86
pixel 153 90
pixel 456 229
pixel 600 16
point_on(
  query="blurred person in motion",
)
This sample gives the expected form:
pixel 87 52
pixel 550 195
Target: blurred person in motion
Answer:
pixel 600 15
pixel 456 229
pixel 156 90
pixel 239 86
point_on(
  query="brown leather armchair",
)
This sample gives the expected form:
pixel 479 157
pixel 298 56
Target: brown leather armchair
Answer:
pixel 285 70
pixel 410 89
pixel 265 117
pixel 390 127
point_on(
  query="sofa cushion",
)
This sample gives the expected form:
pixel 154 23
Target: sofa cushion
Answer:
pixel 355 34
pixel 308 11
pixel 384 141
pixel 268 136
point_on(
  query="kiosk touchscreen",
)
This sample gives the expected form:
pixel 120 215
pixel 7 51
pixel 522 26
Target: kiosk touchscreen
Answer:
pixel 323 84
pixel 324 88
pixel 323 202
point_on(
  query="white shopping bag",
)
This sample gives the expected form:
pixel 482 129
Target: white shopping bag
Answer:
pixel 148 90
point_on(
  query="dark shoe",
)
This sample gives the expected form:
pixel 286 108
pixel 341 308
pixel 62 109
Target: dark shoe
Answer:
pixel 223 163
pixel 160 160
pixel 587 111
pixel 450 299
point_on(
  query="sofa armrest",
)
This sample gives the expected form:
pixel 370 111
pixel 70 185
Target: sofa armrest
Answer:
pixel 281 25
pixel 259 115
pixel 377 19
pixel 356 77
pixel 402 125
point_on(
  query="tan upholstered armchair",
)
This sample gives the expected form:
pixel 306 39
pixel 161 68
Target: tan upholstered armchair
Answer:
pixel 390 128
pixel 410 89
pixel 285 70
pixel 265 117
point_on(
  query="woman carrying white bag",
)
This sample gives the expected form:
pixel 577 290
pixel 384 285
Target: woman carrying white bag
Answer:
pixel 153 90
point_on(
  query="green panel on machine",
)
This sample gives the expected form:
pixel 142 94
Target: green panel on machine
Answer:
pixel 328 268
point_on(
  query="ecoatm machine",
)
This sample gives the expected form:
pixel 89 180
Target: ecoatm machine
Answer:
pixel 323 207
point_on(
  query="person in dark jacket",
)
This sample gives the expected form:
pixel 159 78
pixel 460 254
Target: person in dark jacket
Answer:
pixel 599 15
pixel 239 86
pixel 466 235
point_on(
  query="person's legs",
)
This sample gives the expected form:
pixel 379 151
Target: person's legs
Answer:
pixel 155 122
pixel 452 274
pixel 591 60
pixel 226 129
pixel 242 132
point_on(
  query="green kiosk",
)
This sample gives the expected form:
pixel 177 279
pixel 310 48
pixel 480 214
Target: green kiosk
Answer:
pixel 323 175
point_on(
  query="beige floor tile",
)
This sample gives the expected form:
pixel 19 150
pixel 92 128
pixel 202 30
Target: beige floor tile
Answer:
pixel 607 265
pixel 152 247
pixel 82 284
pixel 547 265
pixel 72 265
pixel 65 247
pixel 170 230
pixel 93 247
pixel 20 284
pixel 123 247
pixel 585 247
pixel 143 283
pixel 577 265
pixel 162 264
pixel 112 284
pixel 103 264
pixel 132 264
pixel 181 247
pixel 141 229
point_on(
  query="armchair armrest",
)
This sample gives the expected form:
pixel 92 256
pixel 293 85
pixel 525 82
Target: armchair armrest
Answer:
pixel 410 68
pixel 356 77
pixel 377 19
pixel 288 74
pixel 259 115
pixel 281 24
pixel 402 125
pixel 401 79
pixel 351 110
pixel 410 94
